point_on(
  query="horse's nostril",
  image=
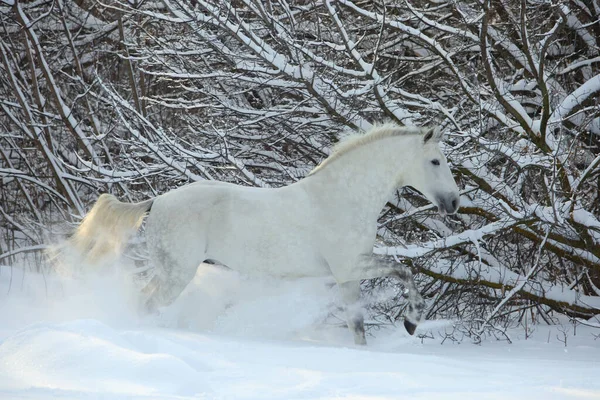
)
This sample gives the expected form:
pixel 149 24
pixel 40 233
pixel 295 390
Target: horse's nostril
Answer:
pixel 454 204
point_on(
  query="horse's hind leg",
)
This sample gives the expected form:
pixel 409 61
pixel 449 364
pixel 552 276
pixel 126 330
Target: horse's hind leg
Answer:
pixel 171 278
pixel 149 295
pixel 354 316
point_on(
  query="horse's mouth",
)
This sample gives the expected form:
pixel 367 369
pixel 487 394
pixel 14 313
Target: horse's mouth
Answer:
pixel 442 211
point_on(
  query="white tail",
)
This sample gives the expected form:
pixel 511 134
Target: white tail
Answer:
pixel 107 226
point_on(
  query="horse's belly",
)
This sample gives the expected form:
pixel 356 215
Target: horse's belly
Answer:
pixel 282 269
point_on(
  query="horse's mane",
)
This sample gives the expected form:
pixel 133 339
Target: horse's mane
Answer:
pixel 376 133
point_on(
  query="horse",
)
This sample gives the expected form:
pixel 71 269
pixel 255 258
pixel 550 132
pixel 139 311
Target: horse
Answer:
pixel 320 226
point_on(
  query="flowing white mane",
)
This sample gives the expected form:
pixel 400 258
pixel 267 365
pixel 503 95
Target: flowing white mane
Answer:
pixel 355 140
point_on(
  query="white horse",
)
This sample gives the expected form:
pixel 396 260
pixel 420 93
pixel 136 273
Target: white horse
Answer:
pixel 322 225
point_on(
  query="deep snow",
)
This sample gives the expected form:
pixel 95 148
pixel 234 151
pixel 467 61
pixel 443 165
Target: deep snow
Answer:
pixel 234 338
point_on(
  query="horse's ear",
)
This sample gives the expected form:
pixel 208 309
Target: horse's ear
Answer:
pixel 434 134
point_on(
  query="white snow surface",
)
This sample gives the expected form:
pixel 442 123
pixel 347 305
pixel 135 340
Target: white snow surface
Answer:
pixel 230 337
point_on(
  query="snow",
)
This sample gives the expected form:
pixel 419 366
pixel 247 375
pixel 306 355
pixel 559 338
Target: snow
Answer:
pixel 229 337
pixel 575 99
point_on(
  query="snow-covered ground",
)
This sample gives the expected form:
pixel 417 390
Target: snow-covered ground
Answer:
pixel 233 338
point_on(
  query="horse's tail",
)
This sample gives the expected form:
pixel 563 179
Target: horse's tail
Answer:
pixel 107 226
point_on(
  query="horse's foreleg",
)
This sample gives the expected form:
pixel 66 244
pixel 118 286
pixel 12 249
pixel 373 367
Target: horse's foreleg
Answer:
pixel 370 267
pixel 354 316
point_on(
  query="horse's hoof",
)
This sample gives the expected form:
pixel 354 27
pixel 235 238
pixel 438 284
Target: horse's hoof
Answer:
pixel 410 327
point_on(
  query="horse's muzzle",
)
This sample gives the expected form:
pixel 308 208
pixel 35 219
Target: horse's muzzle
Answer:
pixel 447 204
pixel 410 327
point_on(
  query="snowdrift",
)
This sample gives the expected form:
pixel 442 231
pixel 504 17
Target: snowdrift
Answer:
pixel 229 337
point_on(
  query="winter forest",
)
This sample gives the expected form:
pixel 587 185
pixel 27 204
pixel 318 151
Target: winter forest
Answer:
pixel 138 97
pixel 135 98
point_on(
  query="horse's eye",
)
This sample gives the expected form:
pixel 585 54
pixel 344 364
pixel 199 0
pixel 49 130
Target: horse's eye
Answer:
pixel 435 162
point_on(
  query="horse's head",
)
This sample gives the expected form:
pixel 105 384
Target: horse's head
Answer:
pixel 431 175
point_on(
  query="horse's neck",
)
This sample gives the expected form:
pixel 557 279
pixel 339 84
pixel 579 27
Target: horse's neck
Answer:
pixel 362 180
